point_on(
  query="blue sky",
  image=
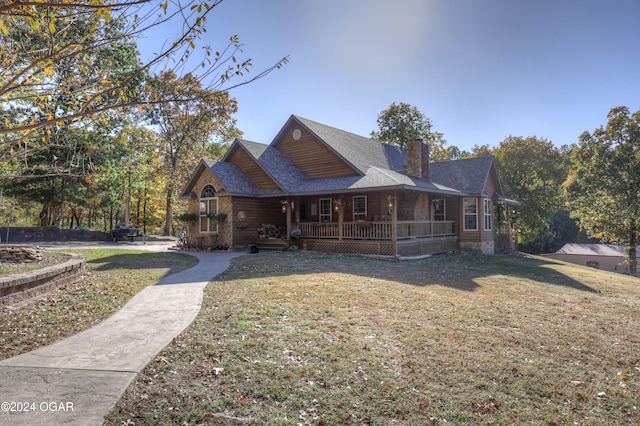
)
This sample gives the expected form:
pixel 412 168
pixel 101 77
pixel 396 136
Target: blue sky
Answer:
pixel 481 70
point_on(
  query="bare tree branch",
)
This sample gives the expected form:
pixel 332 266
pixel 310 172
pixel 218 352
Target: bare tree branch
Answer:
pixel 27 76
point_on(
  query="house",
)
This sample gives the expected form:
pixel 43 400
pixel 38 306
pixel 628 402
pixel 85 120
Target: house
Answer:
pixel 607 257
pixel 329 190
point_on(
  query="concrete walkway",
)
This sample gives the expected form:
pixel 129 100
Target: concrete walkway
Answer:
pixel 76 381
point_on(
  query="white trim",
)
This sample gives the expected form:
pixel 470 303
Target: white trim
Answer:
pixel 465 214
pixel 206 224
pixel 487 214
pixel 353 207
pixel 320 214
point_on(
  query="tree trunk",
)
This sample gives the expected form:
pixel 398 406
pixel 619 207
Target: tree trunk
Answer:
pixel 633 241
pixel 167 220
pixel 144 211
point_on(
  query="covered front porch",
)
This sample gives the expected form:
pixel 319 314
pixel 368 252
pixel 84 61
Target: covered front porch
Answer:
pixel 395 224
pixel 407 238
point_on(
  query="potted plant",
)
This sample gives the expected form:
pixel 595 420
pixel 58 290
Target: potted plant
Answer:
pixel 188 217
pixel 218 217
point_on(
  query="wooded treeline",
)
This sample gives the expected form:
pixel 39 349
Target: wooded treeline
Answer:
pixel 92 135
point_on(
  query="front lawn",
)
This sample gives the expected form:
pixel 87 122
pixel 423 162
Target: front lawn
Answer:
pixel 112 278
pixel 304 338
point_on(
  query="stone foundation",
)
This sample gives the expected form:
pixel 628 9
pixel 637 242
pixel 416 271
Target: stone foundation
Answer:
pixel 478 247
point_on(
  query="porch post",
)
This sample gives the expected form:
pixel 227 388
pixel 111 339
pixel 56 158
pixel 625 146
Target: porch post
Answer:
pixel 289 218
pixel 340 220
pixel 394 222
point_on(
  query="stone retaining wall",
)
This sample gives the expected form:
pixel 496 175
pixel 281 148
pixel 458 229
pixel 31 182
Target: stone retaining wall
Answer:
pixel 49 233
pixel 16 288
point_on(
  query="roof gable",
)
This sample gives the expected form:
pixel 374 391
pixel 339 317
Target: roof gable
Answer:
pixel 358 151
pixel 310 152
pixel 245 155
pixel 201 168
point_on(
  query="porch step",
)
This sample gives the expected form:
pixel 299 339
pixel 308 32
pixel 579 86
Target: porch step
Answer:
pixel 274 244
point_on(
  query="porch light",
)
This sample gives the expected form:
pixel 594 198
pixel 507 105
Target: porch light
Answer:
pixel 283 207
pixel 338 204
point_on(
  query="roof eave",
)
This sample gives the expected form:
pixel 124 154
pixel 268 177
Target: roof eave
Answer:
pixel 194 178
pixel 238 145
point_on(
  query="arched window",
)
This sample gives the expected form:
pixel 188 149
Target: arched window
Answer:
pixel 208 209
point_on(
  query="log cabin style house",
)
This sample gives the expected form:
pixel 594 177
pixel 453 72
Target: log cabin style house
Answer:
pixel 329 190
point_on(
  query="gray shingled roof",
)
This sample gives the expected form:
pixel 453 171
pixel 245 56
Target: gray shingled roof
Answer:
pixel 467 175
pixel 280 168
pixel 254 148
pixel 380 166
pixel 361 152
pixel 594 249
pixel 234 179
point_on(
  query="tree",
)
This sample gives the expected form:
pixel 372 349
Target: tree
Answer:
pixel 32 153
pixel 187 128
pixel 402 123
pixel 58 162
pixel 603 186
pixel 70 70
pixel 122 175
pixel 37 39
pixel 532 169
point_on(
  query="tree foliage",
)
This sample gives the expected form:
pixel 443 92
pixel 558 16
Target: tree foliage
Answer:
pixel 402 123
pixel 71 82
pixel 603 187
pixel 187 129
pixel 58 149
pixel 532 170
pixel 64 62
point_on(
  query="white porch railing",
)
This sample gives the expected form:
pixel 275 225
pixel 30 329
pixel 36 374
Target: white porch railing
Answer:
pixel 375 230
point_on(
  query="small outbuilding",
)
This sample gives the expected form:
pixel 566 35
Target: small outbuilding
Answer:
pixel 607 257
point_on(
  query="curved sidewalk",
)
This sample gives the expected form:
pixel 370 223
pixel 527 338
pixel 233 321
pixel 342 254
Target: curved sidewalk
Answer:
pixel 76 381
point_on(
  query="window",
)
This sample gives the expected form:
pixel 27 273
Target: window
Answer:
pixel 487 215
pixel 593 265
pixel 325 209
pixel 470 206
pixel 439 213
pixel 208 208
pixel 360 207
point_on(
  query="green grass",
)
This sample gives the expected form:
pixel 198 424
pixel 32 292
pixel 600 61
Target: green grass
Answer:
pixel 317 339
pixel 112 278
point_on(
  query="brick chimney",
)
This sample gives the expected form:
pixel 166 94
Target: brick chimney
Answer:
pixel 418 159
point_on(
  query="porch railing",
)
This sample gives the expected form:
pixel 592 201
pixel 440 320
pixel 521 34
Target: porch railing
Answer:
pixel 375 230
